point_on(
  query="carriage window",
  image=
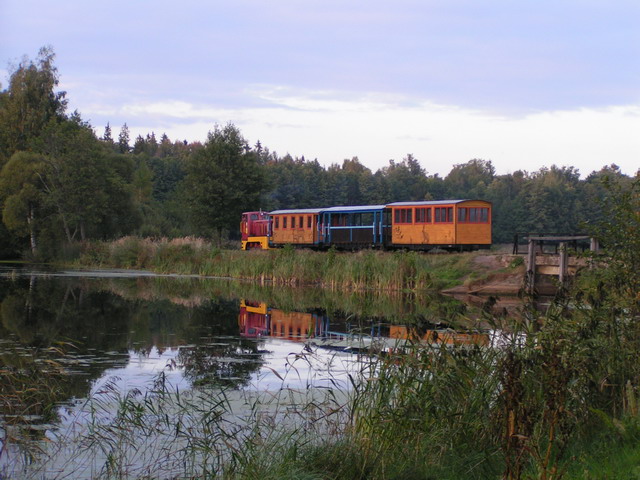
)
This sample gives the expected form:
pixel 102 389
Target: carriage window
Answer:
pixel 309 221
pixel 403 215
pixel 473 215
pixel 301 224
pixel 339 219
pixel 423 215
pixel 277 222
pixel 284 222
pixel 293 222
pixel 444 214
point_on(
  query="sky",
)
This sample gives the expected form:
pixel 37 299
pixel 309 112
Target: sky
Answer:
pixel 525 84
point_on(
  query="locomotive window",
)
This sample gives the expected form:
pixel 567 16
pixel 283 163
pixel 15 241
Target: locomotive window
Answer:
pixel 284 222
pixel 293 222
pixel 277 222
pixel 254 216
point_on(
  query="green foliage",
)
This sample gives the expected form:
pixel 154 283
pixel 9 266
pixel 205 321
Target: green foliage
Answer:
pixel 619 234
pixel 58 184
pixel 30 103
pixel 102 188
pixel 551 392
pixel 223 179
pixel 470 180
pixel 23 196
pixel 382 271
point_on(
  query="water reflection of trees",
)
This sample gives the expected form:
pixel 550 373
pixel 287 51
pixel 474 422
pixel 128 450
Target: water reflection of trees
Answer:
pixel 394 307
pixel 220 356
pixel 59 334
pixel 84 326
pixel 226 364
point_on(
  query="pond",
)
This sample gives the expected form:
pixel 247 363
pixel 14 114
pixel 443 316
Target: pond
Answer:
pixel 111 373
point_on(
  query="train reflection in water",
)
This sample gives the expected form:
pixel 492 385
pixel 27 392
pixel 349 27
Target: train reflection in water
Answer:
pixel 257 319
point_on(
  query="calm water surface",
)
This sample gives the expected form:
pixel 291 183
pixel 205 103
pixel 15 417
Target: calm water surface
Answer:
pixel 74 338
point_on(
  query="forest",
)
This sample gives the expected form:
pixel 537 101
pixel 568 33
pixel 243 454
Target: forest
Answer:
pixel 63 180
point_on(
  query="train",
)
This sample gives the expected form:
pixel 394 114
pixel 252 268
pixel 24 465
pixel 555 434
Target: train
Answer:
pixel 452 225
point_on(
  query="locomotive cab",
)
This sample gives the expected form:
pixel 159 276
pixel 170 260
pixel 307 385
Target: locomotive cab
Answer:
pixel 255 228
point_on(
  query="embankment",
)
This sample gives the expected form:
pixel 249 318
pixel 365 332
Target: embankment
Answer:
pixel 363 270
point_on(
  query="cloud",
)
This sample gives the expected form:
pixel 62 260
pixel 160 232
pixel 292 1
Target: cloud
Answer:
pixel 332 127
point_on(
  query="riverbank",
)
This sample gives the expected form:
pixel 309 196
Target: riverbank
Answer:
pixel 553 393
pixel 363 270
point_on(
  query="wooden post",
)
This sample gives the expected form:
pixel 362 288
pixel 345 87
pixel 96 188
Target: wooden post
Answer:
pixel 562 268
pixel 594 247
pixel 531 266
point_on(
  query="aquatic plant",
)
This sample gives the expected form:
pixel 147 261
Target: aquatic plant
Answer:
pixel 364 270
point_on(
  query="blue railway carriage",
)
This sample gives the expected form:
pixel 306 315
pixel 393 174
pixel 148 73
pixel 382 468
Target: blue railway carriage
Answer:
pixel 364 226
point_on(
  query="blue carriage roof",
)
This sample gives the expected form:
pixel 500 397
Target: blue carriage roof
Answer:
pixel 355 208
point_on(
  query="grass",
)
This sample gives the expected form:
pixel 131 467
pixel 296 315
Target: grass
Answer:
pixel 554 397
pixel 363 270
pixel 611 454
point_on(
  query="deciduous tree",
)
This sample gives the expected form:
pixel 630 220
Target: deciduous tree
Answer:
pixel 30 102
pixel 223 179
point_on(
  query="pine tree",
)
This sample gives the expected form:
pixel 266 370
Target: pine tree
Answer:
pixel 123 139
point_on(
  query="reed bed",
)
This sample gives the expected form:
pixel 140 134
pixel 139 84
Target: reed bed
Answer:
pixel 363 270
pixel 537 403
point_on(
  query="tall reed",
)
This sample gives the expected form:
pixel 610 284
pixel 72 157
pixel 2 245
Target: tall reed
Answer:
pixel 385 271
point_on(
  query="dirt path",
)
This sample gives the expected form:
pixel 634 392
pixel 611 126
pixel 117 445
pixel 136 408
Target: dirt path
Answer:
pixel 497 277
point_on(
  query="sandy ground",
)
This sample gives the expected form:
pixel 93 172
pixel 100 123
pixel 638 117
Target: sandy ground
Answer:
pixel 495 277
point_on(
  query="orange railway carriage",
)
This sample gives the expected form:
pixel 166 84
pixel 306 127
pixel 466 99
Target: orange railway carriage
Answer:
pixel 257 320
pixel 447 224
pixel 295 227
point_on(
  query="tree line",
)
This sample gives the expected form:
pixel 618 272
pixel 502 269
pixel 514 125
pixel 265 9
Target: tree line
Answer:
pixel 61 183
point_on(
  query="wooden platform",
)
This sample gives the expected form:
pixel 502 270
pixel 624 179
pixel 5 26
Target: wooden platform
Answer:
pixel 551 260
